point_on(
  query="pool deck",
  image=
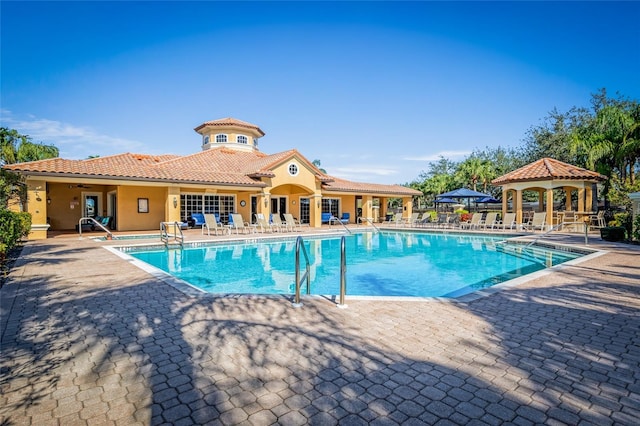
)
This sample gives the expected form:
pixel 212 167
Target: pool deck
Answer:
pixel 88 338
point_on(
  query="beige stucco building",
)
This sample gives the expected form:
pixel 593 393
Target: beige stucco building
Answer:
pixel 228 175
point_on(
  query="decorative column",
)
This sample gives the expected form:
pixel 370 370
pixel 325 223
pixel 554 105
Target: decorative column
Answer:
pixel 567 191
pixel 549 217
pixel 581 199
pixel 172 206
pixel 367 207
pixel 518 206
pixel 315 211
pixel 37 206
pixel 407 206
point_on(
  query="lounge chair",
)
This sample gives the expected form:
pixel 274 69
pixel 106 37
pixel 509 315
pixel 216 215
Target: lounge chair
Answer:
pixel 490 220
pixel 413 219
pixel 345 218
pixel 537 222
pixel 293 223
pixel 277 222
pixel 509 220
pixel 211 222
pixel 474 222
pixel 425 220
pixel 262 222
pixel 326 218
pixel 443 220
pixel 236 221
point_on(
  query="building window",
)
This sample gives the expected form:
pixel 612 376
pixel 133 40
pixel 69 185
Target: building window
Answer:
pixel 206 139
pixel 293 169
pixel 331 205
pixel 221 138
pixel 242 139
pixel 223 205
pixel 255 142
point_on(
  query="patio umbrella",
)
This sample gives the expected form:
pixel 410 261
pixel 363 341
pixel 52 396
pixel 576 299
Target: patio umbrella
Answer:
pixel 464 193
pixel 489 200
pixel 444 200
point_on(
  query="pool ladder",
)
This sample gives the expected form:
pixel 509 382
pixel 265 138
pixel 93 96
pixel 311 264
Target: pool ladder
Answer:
pixel 307 276
pixel 165 236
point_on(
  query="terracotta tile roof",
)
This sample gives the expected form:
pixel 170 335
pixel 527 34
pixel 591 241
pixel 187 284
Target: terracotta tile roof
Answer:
pixel 340 185
pixel 548 169
pixel 212 166
pixel 229 121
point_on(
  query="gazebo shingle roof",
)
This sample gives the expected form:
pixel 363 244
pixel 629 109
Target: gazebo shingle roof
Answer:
pixel 548 169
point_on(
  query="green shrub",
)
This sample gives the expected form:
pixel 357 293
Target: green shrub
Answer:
pixel 636 228
pixel 13 227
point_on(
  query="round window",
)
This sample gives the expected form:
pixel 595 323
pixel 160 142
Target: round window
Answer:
pixel 293 169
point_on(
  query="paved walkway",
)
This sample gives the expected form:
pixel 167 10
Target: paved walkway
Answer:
pixel 88 338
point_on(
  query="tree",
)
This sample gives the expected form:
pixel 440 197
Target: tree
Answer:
pixel 17 148
pixel 317 164
pixel 608 140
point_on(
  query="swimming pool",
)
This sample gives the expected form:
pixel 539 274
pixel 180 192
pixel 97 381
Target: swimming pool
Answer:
pixel 378 264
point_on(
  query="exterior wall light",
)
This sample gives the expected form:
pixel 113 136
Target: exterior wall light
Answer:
pixel 175 202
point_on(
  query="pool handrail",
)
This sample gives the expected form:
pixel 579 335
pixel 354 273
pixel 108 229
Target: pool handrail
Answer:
pixel 362 219
pixel 90 219
pixel 164 233
pixel 343 271
pixel 334 219
pixel 307 274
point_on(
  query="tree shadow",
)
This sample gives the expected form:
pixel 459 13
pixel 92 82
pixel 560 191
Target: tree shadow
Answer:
pixel 121 346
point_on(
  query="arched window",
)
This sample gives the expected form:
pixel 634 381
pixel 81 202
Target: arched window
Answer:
pixel 221 138
pixel 242 139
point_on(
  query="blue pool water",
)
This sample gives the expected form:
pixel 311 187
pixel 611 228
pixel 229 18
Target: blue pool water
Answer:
pixel 378 264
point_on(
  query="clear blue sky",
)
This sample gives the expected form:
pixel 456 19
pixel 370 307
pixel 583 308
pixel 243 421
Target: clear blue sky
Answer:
pixel 375 90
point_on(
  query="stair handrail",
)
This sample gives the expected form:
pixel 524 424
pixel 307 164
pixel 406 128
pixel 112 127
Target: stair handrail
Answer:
pixel 362 218
pixel 343 271
pixel 558 226
pixel 90 219
pixel 335 219
pixel 307 274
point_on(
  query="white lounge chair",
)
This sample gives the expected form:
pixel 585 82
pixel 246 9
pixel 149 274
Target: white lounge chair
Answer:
pixel 277 222
pixel 293 223
pixel 262 222
pixel 537 222
pixel 212 222
pixel 475 222
pixel 237 222
pixel 490 220
pixel 509 220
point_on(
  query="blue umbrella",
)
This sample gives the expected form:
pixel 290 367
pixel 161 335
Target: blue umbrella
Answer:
pixel 488 200
pixel 464 193
pixel 445 200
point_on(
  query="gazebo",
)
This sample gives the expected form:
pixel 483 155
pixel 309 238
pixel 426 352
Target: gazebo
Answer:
pixel 544 176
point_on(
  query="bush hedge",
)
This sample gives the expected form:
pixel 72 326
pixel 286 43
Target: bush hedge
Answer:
pixel 13 227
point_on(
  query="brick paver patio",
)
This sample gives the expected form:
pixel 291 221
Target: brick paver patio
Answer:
pixel 88 338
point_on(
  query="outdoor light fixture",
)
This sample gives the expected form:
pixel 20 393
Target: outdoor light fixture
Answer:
pixel 175 202
pixel 266 201
pixel 48 200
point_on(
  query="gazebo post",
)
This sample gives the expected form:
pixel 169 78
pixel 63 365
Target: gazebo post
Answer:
pixel 549 218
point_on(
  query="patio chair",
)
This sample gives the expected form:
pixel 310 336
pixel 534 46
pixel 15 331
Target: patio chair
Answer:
pixel 490 220
pixel 442 220
pixel 210 222
pixel 293 223
pixel 277 222
pixel 413 219
pixel 474 222
pixel 325 218
pixel 196 219
pixel 509 220
pixel 264 225
pixel 345 218
pixel 236 221
pixel 425 220
pixel 537 222
pixel 597 221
